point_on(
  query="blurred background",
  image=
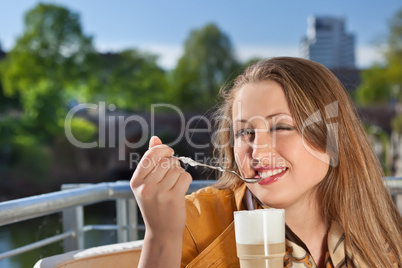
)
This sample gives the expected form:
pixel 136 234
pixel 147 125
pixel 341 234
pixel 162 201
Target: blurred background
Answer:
pixel 123 56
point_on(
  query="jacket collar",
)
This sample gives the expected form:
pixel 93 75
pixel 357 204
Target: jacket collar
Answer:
pixel 239 194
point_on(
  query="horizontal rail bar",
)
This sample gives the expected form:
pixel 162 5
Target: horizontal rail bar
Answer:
pixel 45 204
pixel 394 185
pixel 97 227
pixel 36 206
pixel 86 194
pixel 112 227
pixel 37 244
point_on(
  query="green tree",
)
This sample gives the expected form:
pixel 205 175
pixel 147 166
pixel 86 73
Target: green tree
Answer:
pixel 47 64
pixel 383 83
pixel 8 102
pixel 129 79
pixel 395 38
pixel 207 63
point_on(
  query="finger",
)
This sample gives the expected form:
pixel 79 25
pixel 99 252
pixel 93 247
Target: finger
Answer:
pixel 164 170
pixel 183 183
pixel 171 177
pixel 153 166
pixel 154 154
pixel 155 140
pixel 167 172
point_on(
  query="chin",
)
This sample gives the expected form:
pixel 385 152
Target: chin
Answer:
pixel 273 199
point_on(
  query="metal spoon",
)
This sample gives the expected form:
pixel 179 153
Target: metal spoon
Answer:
pixel 193 163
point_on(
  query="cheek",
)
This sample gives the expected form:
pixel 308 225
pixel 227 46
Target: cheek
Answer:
pixel 289 146
pixel 242 154
pixel 295 147
pixel 304 158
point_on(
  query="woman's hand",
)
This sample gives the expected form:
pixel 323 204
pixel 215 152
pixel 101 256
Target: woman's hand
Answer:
pixel 160 184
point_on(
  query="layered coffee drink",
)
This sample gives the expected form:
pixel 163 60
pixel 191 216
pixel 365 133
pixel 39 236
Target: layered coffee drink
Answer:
pixel 269 255
pixel 260 237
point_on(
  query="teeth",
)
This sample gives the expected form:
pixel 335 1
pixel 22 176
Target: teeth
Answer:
pixel 271 172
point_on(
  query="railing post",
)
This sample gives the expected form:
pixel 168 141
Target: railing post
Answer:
pixel 122 220
pixel 398 202
pixel 71 204
pixel 132 219
pixel 73 220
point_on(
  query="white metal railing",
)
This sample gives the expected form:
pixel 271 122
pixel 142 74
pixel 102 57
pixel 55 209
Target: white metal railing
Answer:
pixel 71 200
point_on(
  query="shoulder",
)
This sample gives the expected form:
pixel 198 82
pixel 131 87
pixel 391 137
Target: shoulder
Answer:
pixel 210 194
pixel 214 200
pixel 209 201
pixel 213 207
pixel 209 213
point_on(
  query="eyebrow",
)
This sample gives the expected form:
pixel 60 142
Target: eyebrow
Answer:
pixel 267 117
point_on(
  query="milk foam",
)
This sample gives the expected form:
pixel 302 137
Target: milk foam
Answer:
pixel 260 226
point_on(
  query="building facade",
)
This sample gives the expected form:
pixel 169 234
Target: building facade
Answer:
pixel 328 43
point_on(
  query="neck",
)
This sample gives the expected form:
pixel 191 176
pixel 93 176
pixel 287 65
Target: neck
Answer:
pixel 307 223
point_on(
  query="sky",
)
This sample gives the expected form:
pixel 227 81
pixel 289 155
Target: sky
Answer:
pixel 257 28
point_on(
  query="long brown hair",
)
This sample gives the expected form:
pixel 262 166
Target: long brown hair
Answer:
pixel 353 192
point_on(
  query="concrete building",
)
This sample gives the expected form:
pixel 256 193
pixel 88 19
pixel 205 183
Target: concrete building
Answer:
pixel 328 43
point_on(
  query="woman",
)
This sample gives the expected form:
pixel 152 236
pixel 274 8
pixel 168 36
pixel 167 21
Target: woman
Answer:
pixel 289 122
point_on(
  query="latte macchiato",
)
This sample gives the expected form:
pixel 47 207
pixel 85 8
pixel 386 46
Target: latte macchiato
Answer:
pixel 260 237
pixel 269 255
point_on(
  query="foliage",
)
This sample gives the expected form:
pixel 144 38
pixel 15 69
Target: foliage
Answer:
pixel 30 156
pixel 382 84
pixel 207 62
pixel 376 86
pixel 8 102
pixel 20 152
pixel 9 127
pixel 53 65
pixel 52 47
pixel 49 59
pixel 83 130
pixel 397 124
pixel 381 143
pixel 43 108
pixel 395 38
pixel 129 79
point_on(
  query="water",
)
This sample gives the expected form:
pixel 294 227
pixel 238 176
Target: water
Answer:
pixel 20 234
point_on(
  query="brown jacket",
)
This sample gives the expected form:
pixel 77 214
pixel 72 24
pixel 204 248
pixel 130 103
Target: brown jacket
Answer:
pixel 209 239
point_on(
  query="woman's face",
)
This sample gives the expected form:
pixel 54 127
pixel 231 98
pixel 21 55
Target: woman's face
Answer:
pixel 267 145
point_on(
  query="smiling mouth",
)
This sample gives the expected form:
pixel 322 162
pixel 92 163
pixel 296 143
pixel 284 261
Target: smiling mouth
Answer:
pixel 271 175
pixel 268 173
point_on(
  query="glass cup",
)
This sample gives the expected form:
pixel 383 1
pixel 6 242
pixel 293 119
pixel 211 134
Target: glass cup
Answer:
pixel 260 237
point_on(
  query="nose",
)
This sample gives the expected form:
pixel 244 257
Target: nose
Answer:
pixel 263 147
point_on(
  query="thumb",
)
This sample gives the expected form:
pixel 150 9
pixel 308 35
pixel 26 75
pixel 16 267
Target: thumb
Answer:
pixel 154 141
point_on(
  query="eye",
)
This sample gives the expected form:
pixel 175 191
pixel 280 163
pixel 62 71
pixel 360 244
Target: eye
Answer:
pixel 244 133
pixel 281 127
